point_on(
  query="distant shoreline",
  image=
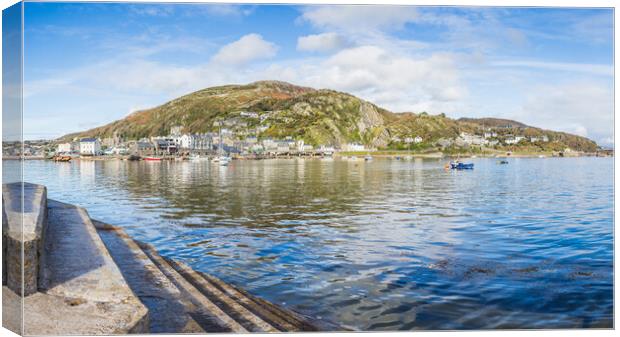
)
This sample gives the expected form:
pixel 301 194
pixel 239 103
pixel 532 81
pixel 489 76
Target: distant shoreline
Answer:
pixel 376 154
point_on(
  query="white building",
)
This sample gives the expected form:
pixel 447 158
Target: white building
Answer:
pixel 353 147
pixel 514 140
pixel 176 130
pixel 327 150
pixel 185 141
pixel 90 147
pixel 64 148
pixel 470 139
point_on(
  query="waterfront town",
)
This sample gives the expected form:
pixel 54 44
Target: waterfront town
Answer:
pixel 178 144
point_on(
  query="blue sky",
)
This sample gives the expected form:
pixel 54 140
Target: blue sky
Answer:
pixel 89 64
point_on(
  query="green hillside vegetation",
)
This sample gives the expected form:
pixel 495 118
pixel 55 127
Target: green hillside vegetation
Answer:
pixel 319 117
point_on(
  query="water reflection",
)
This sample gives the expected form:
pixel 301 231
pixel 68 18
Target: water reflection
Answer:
pixel 381 245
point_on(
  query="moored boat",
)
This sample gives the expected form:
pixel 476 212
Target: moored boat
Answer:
pixel 223 160
pixel 461 166
pixel 62 158
pixel 134 157
pixel 152 158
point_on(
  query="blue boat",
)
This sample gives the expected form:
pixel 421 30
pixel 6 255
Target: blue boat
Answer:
pixel 461 166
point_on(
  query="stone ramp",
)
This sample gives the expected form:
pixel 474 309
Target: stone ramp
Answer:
pixel 199 300
pixel 80 289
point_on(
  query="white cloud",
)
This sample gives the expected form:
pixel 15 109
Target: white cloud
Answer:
pixel 398 82
pixel 248 48
pixel 359 17
pixel 321 42
pixel 592 69
pixel 583 108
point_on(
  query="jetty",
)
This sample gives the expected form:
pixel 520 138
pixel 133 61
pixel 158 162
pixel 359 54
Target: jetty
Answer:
pixel 67 274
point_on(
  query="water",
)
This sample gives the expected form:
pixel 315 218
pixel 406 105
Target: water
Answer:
pixel 381 245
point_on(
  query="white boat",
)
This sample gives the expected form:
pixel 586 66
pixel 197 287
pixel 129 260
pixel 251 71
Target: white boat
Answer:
pixel 353 158
pixel 368 157
pixel 223 160
pixel 197 157
pixel 541 156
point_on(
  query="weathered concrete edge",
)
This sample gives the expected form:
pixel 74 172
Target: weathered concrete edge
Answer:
pixel 16 242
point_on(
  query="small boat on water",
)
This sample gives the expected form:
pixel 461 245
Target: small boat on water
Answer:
pixel 353 158
pixel 152 158
pixel 502 162
pixel 368 158
pixel 223 160
pixel 134 157
pixel 62 158
pixel 455 165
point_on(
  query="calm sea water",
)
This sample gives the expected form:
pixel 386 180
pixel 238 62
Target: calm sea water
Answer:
pixel 382 245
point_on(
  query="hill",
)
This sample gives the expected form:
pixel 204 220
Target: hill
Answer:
pixel 319 117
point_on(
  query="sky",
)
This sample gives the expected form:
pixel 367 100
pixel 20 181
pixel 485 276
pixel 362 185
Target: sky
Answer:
pixel 88 64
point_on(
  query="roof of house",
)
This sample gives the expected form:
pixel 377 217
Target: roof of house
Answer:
pixel 88 140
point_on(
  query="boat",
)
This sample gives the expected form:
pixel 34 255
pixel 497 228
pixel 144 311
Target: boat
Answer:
pixel 461 166
pixel 62 158
pixel 353 158
pixel 368 157
pixel 134 157
pixel 198 157
pixel 152 158
pixel 223 160
pixel 502 162
pixel 541 156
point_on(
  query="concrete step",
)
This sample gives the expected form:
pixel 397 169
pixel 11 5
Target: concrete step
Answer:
pixel 193 294
pixel 280 319
pixel 187 295
pixel 153 288
pixel 254 313
pixel 247 318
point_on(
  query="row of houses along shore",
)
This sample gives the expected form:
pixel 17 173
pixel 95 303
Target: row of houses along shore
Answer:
pixel 177 143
